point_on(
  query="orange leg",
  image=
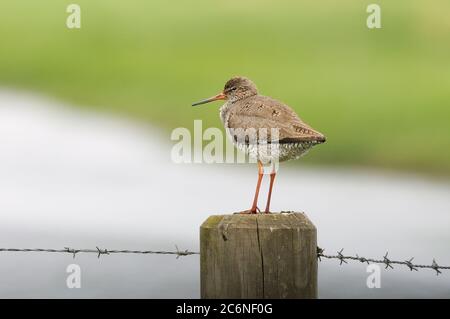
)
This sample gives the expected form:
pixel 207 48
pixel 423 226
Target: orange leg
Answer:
pixel 269 196
pixel 254 208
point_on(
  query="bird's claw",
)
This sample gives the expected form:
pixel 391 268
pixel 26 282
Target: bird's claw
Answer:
pixel 251 211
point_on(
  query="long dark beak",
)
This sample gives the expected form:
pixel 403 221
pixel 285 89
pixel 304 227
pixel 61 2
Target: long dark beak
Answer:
pixel 219 96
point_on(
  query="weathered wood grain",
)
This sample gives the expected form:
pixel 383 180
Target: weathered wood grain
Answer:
pixel 258 256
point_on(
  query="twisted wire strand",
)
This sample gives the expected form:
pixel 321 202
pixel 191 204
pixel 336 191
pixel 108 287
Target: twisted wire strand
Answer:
pixel 100 251
pixel 385 261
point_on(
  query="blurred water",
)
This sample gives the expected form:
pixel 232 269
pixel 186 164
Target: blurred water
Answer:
pixel 79 179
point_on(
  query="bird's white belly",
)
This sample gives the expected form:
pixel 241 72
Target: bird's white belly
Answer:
pixel 272 152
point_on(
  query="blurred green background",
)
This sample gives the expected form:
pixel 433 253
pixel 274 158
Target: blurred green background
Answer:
pixel 382 96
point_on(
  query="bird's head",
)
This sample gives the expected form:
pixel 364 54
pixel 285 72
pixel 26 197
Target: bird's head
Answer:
pixel 237 88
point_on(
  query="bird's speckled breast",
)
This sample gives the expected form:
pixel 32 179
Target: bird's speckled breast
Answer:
pixel 225 112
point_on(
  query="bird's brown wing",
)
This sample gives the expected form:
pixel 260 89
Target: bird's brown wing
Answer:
pixel 262 112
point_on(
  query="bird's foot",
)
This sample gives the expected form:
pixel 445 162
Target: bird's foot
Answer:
pixel 252 210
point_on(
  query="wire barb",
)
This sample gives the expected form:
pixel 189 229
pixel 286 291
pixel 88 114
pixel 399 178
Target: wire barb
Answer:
pixel 410 264
pixel 341 257
pixel 182 253
pixel 71 251
pixel 102 252
pixel 387 262
pixel 436 267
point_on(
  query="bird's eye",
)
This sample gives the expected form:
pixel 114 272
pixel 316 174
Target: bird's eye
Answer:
pixel 233 88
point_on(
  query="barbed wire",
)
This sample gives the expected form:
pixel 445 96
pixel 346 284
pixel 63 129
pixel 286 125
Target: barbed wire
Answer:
pixel 386 261
pixel 181 253
pixel 99 251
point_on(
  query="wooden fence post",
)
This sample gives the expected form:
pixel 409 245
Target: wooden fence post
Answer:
pixel 258 256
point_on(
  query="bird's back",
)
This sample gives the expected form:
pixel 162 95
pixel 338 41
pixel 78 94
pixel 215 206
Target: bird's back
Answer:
pixel 263 112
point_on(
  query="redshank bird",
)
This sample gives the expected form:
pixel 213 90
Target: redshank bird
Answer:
pixel 244 111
